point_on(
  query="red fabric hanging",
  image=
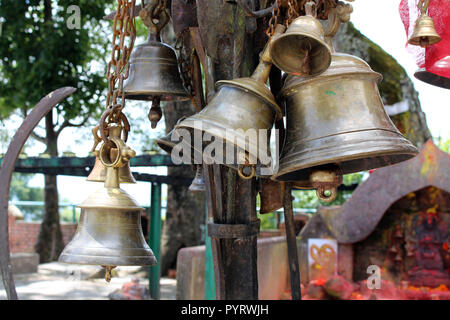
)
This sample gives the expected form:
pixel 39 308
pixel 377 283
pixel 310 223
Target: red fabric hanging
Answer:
pixel 435 58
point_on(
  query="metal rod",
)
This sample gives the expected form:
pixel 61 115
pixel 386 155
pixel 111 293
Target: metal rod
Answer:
pixel 155 240
pixel 291 240
pixel 210 288
pixel 6 170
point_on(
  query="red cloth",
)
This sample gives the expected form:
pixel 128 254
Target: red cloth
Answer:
pixel 435 58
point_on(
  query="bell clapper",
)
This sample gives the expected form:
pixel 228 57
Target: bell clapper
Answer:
pixel 108 270
pixel 155 113
pixel 243 169
pixel 326 181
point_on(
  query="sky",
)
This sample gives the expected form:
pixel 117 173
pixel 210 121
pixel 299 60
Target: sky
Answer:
pixel 379 20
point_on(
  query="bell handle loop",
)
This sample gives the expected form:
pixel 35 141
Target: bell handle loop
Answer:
pixel 150 11
pixel 422 5
pixel 338 15
pixel 124 153
pixel 310 9
pixel 321 194
pixel 242 174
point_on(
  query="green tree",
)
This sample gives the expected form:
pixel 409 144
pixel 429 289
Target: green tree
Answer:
pixel 39 53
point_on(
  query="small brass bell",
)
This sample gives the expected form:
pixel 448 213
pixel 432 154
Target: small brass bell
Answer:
pixel 198 184
pixel 302 49
pixel 98 173
pixel 336 124
pixel 109 232
pixel 239 105
pixel 424 34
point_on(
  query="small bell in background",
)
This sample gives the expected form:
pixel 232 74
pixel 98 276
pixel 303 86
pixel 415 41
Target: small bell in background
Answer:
pixel 239 105
pixel 109 233
pixel 154 73
pixel 198 184
pixel 271 196
pixel 302 49
pixel 424 33
pixel 98 173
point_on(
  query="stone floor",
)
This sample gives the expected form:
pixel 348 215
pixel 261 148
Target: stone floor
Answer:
pixel 58 281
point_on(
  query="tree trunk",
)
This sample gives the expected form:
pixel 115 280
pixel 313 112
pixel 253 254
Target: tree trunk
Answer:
pixel 50 241
pixel 185 212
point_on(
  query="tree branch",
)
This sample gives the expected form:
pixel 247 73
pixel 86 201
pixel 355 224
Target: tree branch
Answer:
pixel 67 123
pixel 37 137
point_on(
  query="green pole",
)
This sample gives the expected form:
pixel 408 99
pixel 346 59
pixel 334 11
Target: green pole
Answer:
pixel 74 214
pixel 210 288
pixel 155 240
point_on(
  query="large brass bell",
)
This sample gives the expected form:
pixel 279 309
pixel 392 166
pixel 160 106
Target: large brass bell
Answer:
pixel 424 33
pixel 336 124
pixel 240 106
pixel 302 48
pixel 109 232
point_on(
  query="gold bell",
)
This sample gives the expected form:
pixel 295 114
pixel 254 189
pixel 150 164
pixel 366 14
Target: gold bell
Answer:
pixel 424 34
pixel 336 124
pixel 302 49
pixel 109 232
pixel 239 105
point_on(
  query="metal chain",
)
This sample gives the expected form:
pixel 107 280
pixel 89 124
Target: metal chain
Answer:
pixel 292 11
pixel 422 5
pixel 273 21
pixel 124 35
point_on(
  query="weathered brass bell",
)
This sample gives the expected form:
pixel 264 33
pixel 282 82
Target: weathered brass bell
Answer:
pixel 154 72
pixel 336 124
pixel 302 49
pixel 109 232
pixel 198 184
pixel 271 196
pixel 239 105
pixel 424 33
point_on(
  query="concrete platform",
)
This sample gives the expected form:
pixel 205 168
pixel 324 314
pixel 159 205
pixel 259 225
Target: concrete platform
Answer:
pixel 58 281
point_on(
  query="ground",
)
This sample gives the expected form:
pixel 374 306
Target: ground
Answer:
pixel 57 281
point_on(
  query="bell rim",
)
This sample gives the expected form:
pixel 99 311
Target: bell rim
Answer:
pixel 252 86
pixel 108 261
pixel 164 95
pixel 435 80
pixel 408 150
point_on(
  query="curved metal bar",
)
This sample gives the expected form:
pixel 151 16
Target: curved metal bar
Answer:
pixel 6 171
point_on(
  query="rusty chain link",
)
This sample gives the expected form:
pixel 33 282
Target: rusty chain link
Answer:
pixel 273 21
pixel 185 66
pixel 124 35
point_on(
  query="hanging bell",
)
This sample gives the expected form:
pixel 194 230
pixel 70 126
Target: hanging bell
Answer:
pixel 198 184
pixel 154 72
pixel 424 34
pixel 109 232
pixel 302 49
pixel 239 105
pixel 336 124
pixel 98 173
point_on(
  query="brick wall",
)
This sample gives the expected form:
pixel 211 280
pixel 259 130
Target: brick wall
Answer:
pixel 23 235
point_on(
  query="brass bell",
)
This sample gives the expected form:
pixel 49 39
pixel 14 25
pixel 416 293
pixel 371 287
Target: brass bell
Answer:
pixel 98 173
pixel 302 49
pixel 336 124
pixel 109 232
pixel 424 34
pixel 271 196
pixel 239 105
pixel 198 184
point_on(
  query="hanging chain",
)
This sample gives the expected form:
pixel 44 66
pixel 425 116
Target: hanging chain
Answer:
pixel 422 5
pixel 292 11
pixel 124 35
pixel 273 21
